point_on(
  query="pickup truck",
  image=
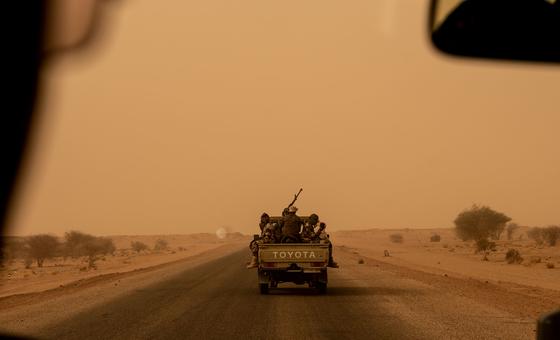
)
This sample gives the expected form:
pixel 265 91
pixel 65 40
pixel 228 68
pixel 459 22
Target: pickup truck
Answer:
pixel 300 263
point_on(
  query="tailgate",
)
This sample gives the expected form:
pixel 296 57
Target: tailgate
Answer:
pixel 300 253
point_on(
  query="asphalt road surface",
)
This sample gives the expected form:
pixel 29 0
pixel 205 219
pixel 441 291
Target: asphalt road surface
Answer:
pixel 220 300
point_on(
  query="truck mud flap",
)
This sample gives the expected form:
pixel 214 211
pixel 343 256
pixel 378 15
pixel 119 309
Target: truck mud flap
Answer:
pixel 263 277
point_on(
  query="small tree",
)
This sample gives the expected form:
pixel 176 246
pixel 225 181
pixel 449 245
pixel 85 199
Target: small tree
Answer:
pixel 97 246
pixel 510 229
pixel 161 245
pixel 551 235
pixel 138 246
pixel 74 242
pixel 536 234
pixel 81 244
pixel 478 223
pixel 42 247
pixel 435 238
pixel 12 248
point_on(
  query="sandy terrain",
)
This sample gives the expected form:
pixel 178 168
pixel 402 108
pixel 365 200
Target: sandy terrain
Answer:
pixel 57 272
pixel 423 290
pixel 213 296
pixel 451 256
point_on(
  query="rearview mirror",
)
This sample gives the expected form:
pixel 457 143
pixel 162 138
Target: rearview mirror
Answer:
pixel 504 29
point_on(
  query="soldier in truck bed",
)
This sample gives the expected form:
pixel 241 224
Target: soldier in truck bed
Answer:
pixel 291 226
pixel 310 235
pixel 265 219
pixel 308 232
pixel 266 229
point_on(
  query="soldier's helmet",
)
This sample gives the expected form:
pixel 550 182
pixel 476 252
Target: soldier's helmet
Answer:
pixel 285 212
pixel 292 209
pixel 265 218
pixel 313 218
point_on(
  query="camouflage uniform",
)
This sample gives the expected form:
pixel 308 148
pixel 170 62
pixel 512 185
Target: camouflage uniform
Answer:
pixel 321 236
pixel 265 219
pixel 269 233
pixel 254 245
pixel 291 226
pixel 308 233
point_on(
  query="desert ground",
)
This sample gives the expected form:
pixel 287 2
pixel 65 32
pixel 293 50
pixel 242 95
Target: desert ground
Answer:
pixel 422 290
pixel 451 255
pixel 57 272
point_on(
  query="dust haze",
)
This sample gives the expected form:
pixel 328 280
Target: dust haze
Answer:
pixel 195 116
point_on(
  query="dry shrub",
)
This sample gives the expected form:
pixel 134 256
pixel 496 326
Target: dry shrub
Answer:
pixel 549 265
pixel 513 256
pixel 161 245
pixel 361 261
pixel 536 234
pixel 80 244
pixel 138 246
pixel 549 234
pixel 396 238
pixel 435 238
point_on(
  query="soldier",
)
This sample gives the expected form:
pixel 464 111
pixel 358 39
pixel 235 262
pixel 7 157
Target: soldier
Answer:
pixel 254 245
pixel 269 233
pixel 308 233
pixel 265 219
pixel 291 226
pixel 319 235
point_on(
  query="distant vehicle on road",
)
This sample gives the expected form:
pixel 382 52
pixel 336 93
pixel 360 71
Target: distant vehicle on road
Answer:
pixel 300 263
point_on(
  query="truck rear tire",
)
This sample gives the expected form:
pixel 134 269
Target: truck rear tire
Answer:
pixel 263 288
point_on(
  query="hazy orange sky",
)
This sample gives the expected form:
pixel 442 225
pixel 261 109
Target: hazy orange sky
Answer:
pixel 196 115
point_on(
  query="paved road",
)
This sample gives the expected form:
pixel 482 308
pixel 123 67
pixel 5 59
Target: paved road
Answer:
pixel 220 300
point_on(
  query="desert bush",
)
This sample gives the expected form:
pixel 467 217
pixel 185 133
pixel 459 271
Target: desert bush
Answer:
pixel 80 244
pixel 396 238
pixel 12 248
pixel 550 265
pixel 510 229
pixel 161 245
pixel 551 234
pixel 435 238
pixel 484 245
pixel 74 242
pixel 479 223
pixel 536 234
pixel 361 261
pixel 41 247
pixel 138 246
pixel 97 246
pixel 513 256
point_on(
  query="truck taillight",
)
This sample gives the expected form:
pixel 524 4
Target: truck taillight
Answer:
pixel 268 264
pixel 317 264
